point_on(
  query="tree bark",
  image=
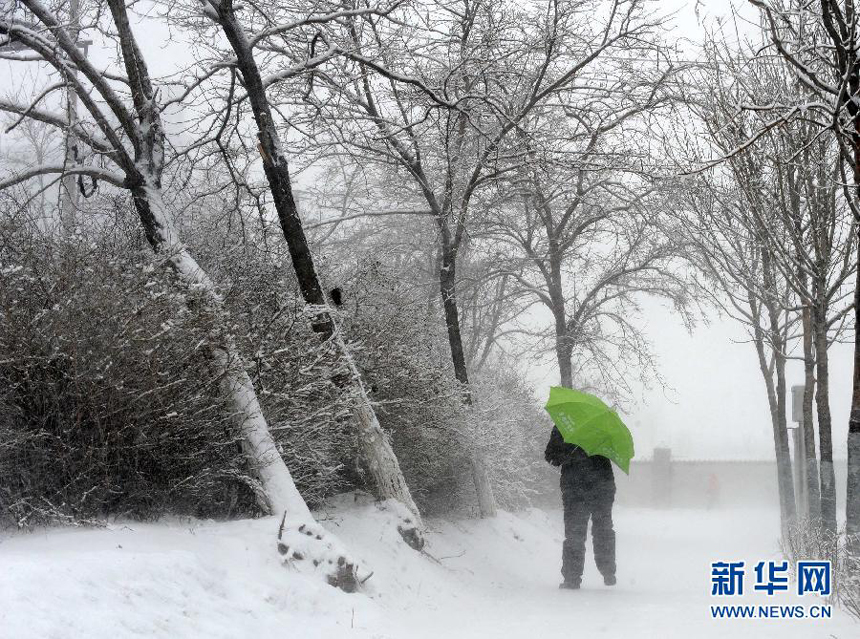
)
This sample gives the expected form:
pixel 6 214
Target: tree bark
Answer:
pixel 486 498
pixel 783 457
pixel 852 496
pixel 281 494
pixel 143 179
pixel 564 355
pixel 448 289
pixel 69 196
pixel 852 502
pixel 822 402
pixel 375 448
pixel 563 345
pixel 814 492
pixel 776 404
pixel 783 460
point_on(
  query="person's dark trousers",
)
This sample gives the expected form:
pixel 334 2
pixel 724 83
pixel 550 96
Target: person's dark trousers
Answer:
pixel 583 500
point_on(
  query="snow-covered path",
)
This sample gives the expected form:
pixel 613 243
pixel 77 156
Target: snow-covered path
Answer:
pixel 663 586
pixel 494 579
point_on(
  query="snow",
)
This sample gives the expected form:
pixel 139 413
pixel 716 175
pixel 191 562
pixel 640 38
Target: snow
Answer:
pixel 493 578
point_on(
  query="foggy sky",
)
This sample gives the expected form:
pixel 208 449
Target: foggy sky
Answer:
pixel 715 406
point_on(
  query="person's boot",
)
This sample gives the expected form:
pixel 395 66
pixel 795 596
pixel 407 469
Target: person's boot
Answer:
pixel 569 585
pixel 609 580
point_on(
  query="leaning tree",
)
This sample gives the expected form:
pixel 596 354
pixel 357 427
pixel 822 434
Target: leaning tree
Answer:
pixel 252 33
pixel 437 91
pixel 122 130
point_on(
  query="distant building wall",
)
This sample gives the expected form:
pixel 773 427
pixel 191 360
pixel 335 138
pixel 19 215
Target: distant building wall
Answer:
pixel 672 483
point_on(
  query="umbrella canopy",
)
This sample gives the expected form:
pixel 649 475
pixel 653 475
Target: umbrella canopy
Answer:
pixel 584 420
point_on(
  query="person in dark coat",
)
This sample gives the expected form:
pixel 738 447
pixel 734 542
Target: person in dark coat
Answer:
pixel 587 491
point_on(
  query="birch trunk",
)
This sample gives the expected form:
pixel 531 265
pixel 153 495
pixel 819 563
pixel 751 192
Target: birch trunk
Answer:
pixel 486 499
pixel 281 494
pixel 143 179
pixel 376 451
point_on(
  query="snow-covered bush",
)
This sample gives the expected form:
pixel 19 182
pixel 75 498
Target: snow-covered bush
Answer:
pixel 848 583
pixel 511 430
pixel 404 354
pixel 805 540
pixel 108 405
pixel 106 402
pixel 297 377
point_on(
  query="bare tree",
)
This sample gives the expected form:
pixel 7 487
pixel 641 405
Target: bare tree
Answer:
pixel 819 42
pixel 378 455
pixel 584 222
pixel 446 112
pixel 740 278
pixel 776 203
pixel 438 93
pixel 123 131
pixel 588 254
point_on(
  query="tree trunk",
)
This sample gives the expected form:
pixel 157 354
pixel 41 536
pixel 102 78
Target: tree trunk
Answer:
pixel 281 494
pixel 375 449
pixel 563 351
pixel 813 490
pixel 852 496
pixel 448 289
pixel 822 401
pixel 563 346
pixel 69 196
pixel 144 182
pixel 776 403
pixel 783 457
pixel 852 502
pixel 486 498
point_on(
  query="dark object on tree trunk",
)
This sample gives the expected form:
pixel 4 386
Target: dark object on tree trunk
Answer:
pixel 336 295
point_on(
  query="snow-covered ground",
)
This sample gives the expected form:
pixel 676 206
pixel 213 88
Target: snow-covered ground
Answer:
pixel 495 578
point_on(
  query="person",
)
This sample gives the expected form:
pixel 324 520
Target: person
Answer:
pixel 587 491
pixel 713 491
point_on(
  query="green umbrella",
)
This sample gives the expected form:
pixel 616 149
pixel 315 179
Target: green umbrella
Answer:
pixel 584 420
